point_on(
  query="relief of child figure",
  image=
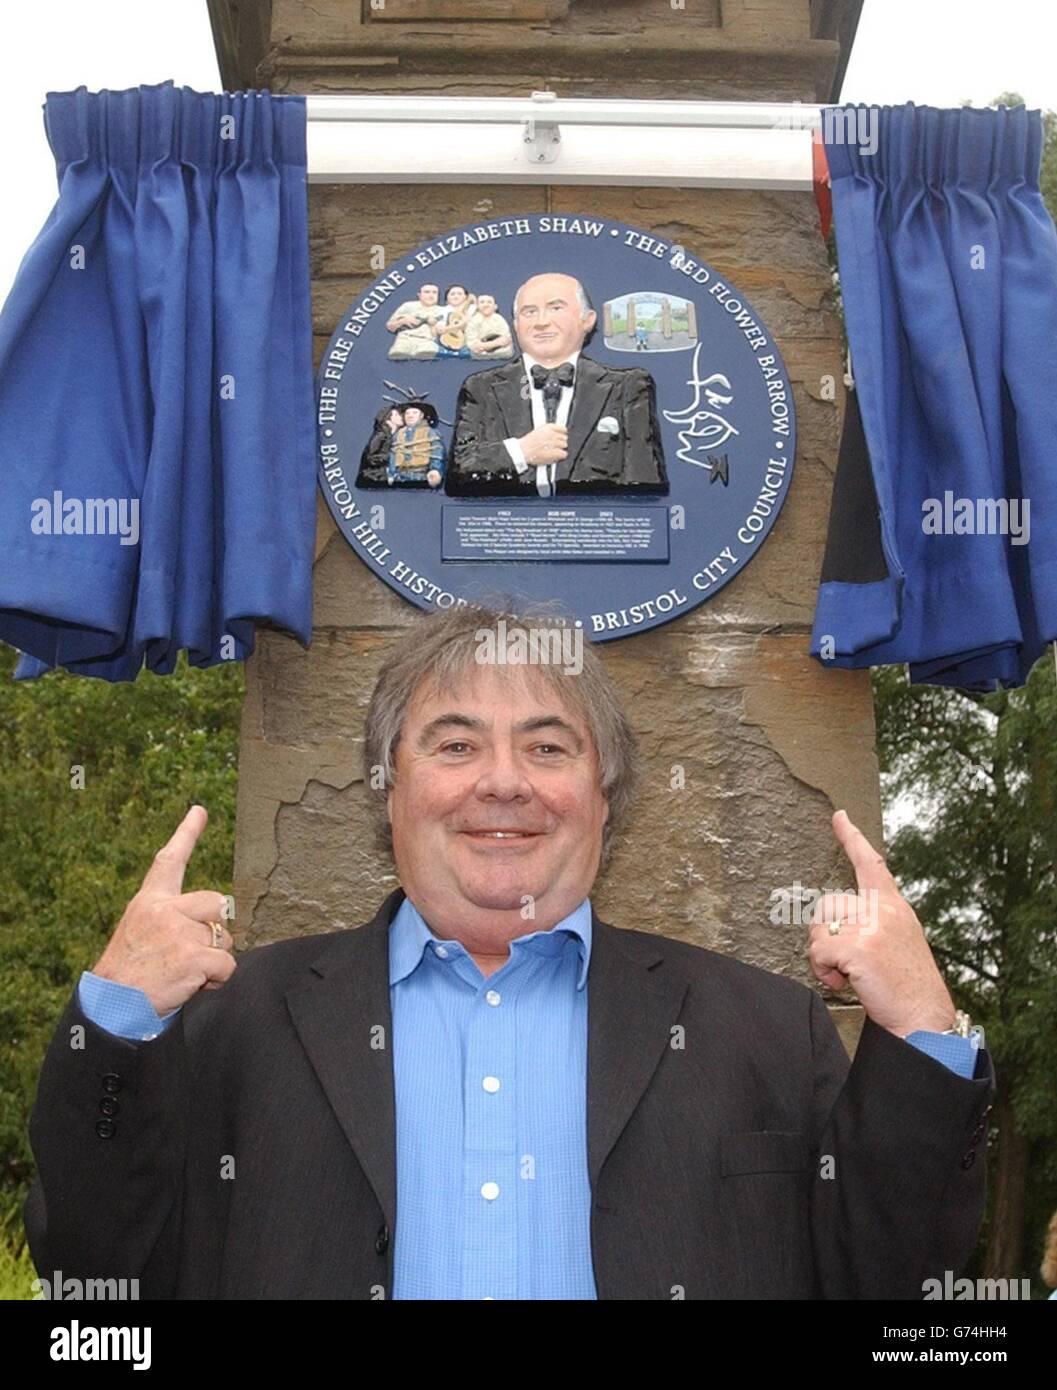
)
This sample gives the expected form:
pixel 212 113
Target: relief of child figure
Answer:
pixel 449 328
pixel 416 455
pixel 488 333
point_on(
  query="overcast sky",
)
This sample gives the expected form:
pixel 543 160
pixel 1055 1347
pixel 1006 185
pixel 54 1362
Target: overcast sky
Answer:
pixel 944 52
pixel 59 45
pixel 935 52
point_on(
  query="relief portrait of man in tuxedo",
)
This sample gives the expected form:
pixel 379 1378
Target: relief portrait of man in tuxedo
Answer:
pixel 554 420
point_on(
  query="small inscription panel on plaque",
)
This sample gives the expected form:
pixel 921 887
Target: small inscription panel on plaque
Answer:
pixel 550 531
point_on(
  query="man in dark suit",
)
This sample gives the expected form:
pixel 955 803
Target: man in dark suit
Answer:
pixel 426 1108
pixel 555 420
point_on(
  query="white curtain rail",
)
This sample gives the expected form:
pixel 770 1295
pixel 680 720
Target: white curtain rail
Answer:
pixel 544 138
pixel 565 110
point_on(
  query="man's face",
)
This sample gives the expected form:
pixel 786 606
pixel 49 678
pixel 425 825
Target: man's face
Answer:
pixel 412 415
pixel 456 296
pixel 428 295
pixel 486 305
pixel 551 325
pixel 496 801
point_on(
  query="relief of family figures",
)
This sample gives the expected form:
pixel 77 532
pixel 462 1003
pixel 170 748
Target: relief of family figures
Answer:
pixel 465 325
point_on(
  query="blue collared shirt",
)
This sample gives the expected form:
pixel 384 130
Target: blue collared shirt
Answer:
pixel 493 1197
pixel 490 1074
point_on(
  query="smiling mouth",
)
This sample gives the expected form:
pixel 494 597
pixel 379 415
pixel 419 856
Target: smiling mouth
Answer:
pixel 501 834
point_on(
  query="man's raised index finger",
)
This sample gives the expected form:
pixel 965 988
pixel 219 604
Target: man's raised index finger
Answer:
pixel 166 874
pixel 871 871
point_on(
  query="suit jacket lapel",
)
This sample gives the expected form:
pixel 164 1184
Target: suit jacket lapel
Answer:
pixel 336 1011
pixel 632 1007
pixel 591 393
pixel 516 408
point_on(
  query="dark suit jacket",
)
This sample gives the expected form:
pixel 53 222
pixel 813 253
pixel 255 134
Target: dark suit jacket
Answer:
pixel 703 1145
pixel 494 405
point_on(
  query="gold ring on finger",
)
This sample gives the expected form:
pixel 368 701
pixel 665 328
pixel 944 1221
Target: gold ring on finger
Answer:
pixel 218 935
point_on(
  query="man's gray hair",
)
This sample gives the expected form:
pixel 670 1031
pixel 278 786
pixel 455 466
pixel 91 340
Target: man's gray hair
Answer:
pixel 444 648
pixel 586 307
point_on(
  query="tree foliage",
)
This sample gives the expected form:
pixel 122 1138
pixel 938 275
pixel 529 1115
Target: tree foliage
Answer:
pixel 74 855
pixel 974 780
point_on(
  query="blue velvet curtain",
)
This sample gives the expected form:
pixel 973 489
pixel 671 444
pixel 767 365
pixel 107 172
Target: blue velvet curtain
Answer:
pixel 157 470
pixel 948 270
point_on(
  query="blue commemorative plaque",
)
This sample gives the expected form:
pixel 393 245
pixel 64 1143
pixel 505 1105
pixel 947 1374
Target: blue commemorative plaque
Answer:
pixel 555 407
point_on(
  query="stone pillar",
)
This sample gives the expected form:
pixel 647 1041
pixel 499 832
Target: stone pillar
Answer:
pixel 749 745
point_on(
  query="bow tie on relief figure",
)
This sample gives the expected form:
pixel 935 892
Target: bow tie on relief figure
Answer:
pixel 564 375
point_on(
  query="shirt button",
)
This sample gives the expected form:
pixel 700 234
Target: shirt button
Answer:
pixel 490 1191
pixel 442 951
pixel 491 1084
pixel 493 997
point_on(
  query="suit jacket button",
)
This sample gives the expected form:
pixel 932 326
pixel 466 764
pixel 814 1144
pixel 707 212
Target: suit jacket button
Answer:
pixel 106 1129
pixel 969 1159
pixel 978 1134
pixel 108 1106
pixel 112 1082
pixel 381 1240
